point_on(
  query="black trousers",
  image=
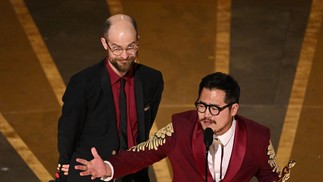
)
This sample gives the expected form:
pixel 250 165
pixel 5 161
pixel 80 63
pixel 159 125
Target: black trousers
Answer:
pixel 140 176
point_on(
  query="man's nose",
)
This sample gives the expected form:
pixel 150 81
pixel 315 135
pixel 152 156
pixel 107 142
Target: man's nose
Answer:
pixel 124 54
pixel 207 113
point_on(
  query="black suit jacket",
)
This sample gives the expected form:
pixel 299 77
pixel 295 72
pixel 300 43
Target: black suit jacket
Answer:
pixel 88 115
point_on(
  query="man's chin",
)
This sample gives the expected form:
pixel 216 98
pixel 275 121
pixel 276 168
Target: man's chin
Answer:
pixel 124 66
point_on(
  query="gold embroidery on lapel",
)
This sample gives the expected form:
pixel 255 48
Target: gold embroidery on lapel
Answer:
pixel 285 174
pixel 272 158
pixel 156 140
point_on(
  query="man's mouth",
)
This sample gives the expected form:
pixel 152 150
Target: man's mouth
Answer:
pixel 208 121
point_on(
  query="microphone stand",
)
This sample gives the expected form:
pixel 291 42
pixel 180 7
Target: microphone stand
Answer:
pixel 208 139
pixel 206 163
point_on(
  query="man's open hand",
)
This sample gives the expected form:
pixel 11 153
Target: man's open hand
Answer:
pixel 96 167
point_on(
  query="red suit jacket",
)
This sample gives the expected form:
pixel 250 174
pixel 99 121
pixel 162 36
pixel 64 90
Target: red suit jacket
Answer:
pixel 182 141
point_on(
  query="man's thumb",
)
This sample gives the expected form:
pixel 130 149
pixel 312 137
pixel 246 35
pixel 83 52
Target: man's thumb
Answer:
pixel 95 153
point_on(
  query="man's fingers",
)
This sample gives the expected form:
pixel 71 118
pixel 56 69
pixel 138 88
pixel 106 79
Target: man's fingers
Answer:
pixel 65 167
pixel 80 167
pixel 82 161
pixel 95 153
pixel 87 168
pixel 85 173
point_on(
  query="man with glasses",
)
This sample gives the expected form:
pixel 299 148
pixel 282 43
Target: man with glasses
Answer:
pixel 111 105
pixel 241 149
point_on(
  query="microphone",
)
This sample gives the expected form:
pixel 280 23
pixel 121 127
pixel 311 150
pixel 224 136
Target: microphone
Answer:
pixel 208 137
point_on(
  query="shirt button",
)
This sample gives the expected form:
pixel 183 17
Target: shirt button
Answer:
pixel 113 152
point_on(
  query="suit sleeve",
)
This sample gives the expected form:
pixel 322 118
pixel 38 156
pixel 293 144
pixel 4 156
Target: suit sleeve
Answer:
pixel 144 154
pixel 70 123
pixel 269 169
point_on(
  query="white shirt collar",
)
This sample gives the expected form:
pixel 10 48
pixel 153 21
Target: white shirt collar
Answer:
pixel 227 136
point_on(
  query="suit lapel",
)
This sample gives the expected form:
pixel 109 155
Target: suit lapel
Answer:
pixel 107 95
pixel 105 79
pixel 139 107
pixel 199 150
pixel 238 151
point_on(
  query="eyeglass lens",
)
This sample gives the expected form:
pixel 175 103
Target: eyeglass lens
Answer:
pixel 214 110
pixel 117 50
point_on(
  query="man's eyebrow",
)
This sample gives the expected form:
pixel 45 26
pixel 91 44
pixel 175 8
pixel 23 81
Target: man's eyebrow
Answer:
pixel 209 104
pixel 133 42
pixel 114 44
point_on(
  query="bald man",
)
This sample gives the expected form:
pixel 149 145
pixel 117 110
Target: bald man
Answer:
pixel 91 114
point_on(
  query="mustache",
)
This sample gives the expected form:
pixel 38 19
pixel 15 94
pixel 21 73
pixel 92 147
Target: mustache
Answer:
pixel 129 58
pixel 207 119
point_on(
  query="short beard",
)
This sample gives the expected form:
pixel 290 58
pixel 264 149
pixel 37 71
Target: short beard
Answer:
pixel 123 68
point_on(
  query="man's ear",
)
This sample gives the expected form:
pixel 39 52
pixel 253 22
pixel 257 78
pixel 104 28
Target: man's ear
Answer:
pixel 234 109
pixel 104 43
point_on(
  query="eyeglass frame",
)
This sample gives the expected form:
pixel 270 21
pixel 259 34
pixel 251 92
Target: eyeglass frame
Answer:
pixel 212 105
pixel 121 48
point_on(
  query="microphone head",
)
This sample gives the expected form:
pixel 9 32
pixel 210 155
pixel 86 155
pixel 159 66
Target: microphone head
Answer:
pixel 208 137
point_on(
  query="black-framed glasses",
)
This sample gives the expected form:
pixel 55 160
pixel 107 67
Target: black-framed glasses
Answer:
pixel 214 110
pixel 117 50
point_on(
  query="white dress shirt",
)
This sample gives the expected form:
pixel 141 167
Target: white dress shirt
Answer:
pixel 214 162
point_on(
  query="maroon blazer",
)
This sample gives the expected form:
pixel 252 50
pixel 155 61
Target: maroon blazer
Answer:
pixel 182 142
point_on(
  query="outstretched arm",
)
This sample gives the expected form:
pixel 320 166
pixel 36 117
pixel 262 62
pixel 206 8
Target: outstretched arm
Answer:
pixel 96 167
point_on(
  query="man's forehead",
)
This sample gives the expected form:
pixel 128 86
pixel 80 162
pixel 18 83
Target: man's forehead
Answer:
pixel 212 91
pixel 122 30
pixel 121 26
pixel 212 95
